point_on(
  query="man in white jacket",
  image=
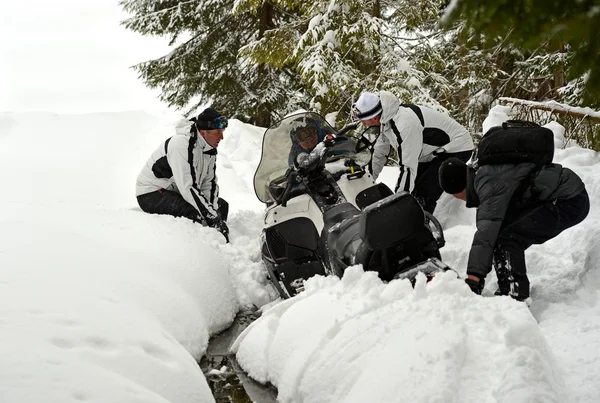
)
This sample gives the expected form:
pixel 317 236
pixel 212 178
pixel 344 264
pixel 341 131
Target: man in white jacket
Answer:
pixel 422 137
pixel 180 178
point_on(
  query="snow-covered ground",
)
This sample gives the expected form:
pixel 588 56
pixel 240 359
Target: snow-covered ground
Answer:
pixel 99 301
pixel 356 339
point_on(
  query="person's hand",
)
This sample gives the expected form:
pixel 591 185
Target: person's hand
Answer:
pixel 475 283
pixel 220 226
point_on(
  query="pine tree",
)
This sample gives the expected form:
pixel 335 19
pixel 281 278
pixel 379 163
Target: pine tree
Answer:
pixel 342 47
pixel 206 68
pixel 562 27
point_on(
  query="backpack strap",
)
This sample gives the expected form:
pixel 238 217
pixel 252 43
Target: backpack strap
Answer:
pixel 167 144
pixel 417 112
pixel 396 131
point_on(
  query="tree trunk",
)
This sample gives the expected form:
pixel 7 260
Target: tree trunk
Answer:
pixel 262 115
pixel 377 14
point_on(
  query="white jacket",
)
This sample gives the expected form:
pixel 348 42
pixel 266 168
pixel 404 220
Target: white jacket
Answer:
pixel 186 164
pixel 415 141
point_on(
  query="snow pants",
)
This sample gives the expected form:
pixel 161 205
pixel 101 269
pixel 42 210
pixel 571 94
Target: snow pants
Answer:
pixel 534 225
pixel 427 184
pixel 172 203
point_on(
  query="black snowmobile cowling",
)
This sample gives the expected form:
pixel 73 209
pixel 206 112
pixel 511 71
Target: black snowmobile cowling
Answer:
pixel 325 212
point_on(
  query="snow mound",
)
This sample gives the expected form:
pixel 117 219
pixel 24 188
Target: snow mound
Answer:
pixel 357 340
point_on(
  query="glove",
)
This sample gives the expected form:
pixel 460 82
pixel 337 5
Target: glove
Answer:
pixel 475 285
pixel 220 226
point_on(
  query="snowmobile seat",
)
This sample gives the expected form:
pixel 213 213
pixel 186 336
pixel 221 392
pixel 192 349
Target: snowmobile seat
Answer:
pixel 337 214
pixel 393 219
pixel 340 235
pixel 395 236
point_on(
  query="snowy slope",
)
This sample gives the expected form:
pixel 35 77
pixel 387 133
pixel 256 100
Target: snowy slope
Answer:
pixel 99 301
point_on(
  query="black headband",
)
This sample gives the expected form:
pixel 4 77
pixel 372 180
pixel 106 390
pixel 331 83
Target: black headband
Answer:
pixel 360 115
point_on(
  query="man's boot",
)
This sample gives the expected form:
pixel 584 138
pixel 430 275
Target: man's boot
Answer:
pixel 510 271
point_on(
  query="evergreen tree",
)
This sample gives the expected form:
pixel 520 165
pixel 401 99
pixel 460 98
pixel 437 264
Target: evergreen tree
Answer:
pixel 206 67
pixel 476 76
pixel 341 47
pixel 567 27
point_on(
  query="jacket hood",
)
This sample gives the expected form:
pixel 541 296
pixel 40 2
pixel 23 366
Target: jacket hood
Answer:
pixel 389 104
pixel 184 128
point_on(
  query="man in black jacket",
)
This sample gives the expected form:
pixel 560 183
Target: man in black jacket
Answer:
pixel 518 205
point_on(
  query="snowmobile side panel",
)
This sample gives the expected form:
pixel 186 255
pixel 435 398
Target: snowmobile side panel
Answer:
pixel 301 206
pixel 295 239
pixel 292 275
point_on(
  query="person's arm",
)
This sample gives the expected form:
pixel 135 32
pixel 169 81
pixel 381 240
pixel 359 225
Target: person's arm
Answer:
pixel 494 196
pixel 411 133
pixel 209 186
pixel 184 174
pixel 381 152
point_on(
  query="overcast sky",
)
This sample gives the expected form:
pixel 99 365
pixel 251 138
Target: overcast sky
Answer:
pixel 72 56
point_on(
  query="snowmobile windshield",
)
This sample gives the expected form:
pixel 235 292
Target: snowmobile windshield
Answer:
pixel 285 140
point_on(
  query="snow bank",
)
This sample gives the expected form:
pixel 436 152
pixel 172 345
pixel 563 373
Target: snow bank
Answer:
pixel 358 340
pixel 99 301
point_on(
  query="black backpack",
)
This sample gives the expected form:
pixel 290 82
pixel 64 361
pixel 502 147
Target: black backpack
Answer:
pixel 516 141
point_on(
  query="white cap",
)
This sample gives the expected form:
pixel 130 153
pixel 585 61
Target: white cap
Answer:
pixel 368 106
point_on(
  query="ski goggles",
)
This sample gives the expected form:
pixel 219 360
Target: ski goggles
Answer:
pixel 218 123
pixel 306 134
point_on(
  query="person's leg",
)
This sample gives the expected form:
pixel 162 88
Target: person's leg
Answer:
pixel 427 186
pixel 421 168
pixel 509 263
pixel 168 202
pixel 533 226
pixel 572 211
pixel 223 208
pixel 536 225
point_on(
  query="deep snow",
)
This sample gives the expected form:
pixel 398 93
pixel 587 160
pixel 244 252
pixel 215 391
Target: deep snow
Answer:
pixel 99 301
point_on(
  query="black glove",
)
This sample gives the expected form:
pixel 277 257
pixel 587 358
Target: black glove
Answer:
pixel 220 226
pixel 475 285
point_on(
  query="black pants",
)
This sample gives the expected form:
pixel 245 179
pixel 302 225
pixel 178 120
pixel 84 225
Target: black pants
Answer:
pixel 172 203
pixel 534 225
pixel 427 188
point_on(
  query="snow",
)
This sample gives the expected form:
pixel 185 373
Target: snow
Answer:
pixel 554 106
pixel 102 302
pixel 354 339
pixel 99 301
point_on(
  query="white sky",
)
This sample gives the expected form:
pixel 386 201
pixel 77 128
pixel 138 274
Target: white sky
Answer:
pixel 72 56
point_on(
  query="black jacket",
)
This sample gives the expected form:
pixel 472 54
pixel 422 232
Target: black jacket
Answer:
pixel 501 190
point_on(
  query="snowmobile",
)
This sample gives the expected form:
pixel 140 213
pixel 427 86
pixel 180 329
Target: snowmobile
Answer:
pixel 325 212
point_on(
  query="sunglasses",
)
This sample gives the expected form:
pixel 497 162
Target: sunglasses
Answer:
pixel 307 134
pixel 218 123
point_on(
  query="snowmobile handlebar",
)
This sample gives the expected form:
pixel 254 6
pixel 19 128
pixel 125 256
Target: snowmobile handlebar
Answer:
pixel 291 182
pixel 311 162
